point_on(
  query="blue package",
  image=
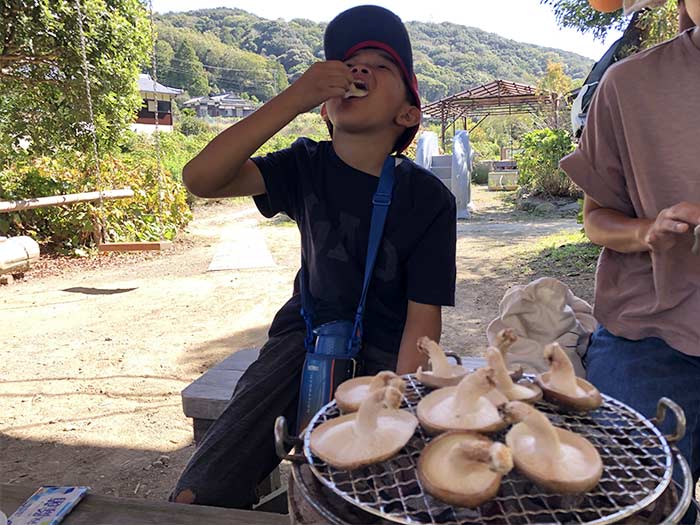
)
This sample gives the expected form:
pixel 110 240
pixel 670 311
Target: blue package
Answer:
pixel 48 506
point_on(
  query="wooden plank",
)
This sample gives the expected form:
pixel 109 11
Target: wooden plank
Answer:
pixel 133 246
pixel 59 200
pixel 107 510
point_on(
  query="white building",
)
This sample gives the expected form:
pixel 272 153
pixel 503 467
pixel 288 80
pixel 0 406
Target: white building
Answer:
pixel 155 97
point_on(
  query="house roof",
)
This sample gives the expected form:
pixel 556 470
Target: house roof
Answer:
pixel 145 83
pixel 229 100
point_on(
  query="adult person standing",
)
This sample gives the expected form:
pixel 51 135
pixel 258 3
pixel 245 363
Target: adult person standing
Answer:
pixel 638 163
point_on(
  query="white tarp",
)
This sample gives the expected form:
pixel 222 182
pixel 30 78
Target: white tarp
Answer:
pixel 426 149
pixel 462 159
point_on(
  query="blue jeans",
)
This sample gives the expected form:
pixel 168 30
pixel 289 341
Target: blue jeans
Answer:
pixel 639 373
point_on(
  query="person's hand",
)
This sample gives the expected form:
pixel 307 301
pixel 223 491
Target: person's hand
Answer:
pixel 322 81
pixel 671 225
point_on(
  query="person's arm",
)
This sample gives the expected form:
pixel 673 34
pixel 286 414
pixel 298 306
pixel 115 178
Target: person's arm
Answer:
pixel 615 230
pixel 224 169
pixel 421 320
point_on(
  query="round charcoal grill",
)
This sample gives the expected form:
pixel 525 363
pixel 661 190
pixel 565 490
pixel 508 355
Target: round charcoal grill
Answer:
pixel 638 466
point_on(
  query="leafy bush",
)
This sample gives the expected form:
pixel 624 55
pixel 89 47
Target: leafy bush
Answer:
pixel 486 150
pixel 538 163
pixel 176 149
pixel 188 124
pixel 309 125
pixel 69 229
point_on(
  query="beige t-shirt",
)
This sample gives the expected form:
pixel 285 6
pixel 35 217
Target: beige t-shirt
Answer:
pixel 639 154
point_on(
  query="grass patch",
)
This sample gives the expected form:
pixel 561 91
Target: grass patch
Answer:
pixel 562 254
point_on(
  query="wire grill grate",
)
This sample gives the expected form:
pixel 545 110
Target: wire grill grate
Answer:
pixel 637 464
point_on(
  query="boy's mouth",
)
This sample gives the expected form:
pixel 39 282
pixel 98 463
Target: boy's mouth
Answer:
pixel 358 89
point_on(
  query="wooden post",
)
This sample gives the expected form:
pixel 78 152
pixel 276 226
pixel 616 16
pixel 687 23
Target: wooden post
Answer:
pixel 443 123
pixel 59 200
pixel 138 246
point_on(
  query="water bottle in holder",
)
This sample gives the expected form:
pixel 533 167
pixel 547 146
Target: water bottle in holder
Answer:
pixel 333 360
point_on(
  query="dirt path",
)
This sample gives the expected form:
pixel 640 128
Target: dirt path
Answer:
pixel 95 352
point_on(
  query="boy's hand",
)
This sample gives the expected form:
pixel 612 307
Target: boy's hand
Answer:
pixel 671 225
pixel 323 80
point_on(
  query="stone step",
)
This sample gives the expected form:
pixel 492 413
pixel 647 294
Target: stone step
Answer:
pixel 442 173
pixel 442 161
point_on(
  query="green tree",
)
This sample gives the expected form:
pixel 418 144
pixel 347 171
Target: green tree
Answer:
pixel 657 24
pixel 555 81
pixel 448 57
pixel 164 57
pixel 229 68
pixel 559 84
pixel 43 103
pixel 579 15
pixel 538 162
pixel 188 72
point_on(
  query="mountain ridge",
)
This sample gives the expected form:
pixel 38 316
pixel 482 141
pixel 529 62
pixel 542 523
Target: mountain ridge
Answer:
pixel 240 51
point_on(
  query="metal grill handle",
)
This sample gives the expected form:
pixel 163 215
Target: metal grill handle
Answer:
pixel 664 405
pixel 283 440
pixel 454 356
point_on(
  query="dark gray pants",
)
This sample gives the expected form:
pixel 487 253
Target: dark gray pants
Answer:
pixel 238 451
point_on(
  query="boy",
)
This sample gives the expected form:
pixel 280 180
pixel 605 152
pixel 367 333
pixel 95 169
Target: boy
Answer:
pixel 638 163
pixel 371 101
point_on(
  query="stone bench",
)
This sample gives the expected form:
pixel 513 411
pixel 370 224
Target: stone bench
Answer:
pixel 206 398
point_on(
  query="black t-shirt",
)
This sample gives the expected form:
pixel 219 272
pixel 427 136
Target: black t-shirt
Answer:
pixel 331 203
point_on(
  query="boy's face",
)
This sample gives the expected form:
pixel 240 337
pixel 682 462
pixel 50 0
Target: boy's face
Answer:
pixel 386 105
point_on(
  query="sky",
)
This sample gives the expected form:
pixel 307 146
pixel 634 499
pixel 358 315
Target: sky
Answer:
pixel 521 20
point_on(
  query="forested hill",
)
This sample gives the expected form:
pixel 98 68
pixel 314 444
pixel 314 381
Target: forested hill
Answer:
pixel 232 50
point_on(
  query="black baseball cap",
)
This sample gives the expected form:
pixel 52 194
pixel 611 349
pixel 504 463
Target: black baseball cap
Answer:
pixel 371 26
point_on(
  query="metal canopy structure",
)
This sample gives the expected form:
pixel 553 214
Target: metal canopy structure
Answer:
pixel 500 97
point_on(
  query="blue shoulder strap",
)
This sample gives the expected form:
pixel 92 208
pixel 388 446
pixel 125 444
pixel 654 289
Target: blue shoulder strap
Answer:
pixel 380 209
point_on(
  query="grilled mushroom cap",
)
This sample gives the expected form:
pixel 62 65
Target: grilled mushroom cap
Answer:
pixel 556 459
pixel 352 392
pixel 376 432
pixel 523 391
pixel 442 372
pixel 461 407
pixel 561 386
pixel 463 468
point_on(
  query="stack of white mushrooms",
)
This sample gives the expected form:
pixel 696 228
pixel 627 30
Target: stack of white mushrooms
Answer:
pixel 462 466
